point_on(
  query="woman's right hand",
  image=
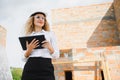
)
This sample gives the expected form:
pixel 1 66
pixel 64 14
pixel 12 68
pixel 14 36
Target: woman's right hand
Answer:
pixel 33 44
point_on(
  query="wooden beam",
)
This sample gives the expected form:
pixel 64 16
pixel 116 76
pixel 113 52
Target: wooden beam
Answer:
pixel 78 61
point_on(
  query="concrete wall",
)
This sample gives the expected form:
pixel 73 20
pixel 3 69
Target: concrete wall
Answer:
pixel 5 73
pixel 2 36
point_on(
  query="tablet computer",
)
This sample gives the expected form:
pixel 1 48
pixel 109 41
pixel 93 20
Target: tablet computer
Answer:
pixel 29 39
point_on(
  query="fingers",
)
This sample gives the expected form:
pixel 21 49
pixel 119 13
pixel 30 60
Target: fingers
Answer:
pixel 26 43
pixel 45 41
pixel 33 44
pixel 34 41
pixel 43 45
pixel 36 45
pixel 46 44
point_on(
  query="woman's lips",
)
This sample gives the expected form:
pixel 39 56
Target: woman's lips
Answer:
pixel 40 22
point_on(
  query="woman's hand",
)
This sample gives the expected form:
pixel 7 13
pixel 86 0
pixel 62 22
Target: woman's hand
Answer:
pixel 33 44
pixel 46 44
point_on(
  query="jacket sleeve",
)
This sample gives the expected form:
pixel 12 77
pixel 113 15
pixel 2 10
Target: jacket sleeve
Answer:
pixel 53 41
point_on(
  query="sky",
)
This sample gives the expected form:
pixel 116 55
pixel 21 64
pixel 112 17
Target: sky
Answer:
pixel 14 13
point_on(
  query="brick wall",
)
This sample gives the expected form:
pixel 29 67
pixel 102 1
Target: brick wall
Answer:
pixel 117 13
pixel 88 32
pixel 112 56
pixel 88 26
pixel 84 70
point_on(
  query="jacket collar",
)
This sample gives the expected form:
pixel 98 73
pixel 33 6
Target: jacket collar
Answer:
pixel 42 31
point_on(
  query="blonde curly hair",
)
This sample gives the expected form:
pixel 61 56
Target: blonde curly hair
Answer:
pixel 29 26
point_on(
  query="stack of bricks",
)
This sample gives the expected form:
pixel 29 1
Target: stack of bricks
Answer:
pixel 88 31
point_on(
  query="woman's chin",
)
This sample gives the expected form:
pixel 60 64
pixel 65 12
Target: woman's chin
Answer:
pixel 39 25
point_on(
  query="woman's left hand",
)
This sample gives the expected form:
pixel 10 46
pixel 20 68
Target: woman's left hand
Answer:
pixel 46 44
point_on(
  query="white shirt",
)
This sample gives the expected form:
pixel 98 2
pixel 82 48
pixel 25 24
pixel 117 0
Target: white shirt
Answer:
pixel 49 36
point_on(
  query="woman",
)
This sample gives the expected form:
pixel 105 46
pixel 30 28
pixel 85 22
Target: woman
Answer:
pixel 38 65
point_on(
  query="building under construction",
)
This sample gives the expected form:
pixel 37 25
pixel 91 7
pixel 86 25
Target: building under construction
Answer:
pixel 89 42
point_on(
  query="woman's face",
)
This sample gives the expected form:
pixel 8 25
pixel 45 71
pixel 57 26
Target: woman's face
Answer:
pixel 39 20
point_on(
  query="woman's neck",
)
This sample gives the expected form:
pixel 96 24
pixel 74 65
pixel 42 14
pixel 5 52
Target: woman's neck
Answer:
pixel 38 29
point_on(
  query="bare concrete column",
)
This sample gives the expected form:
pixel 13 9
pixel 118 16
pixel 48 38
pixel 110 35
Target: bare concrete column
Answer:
pixel 5 73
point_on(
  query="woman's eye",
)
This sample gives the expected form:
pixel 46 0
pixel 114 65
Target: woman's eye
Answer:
pixel 42 18
pixel 38 17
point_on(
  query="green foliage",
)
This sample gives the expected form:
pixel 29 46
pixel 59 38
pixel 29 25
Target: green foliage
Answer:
pixel 16 73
